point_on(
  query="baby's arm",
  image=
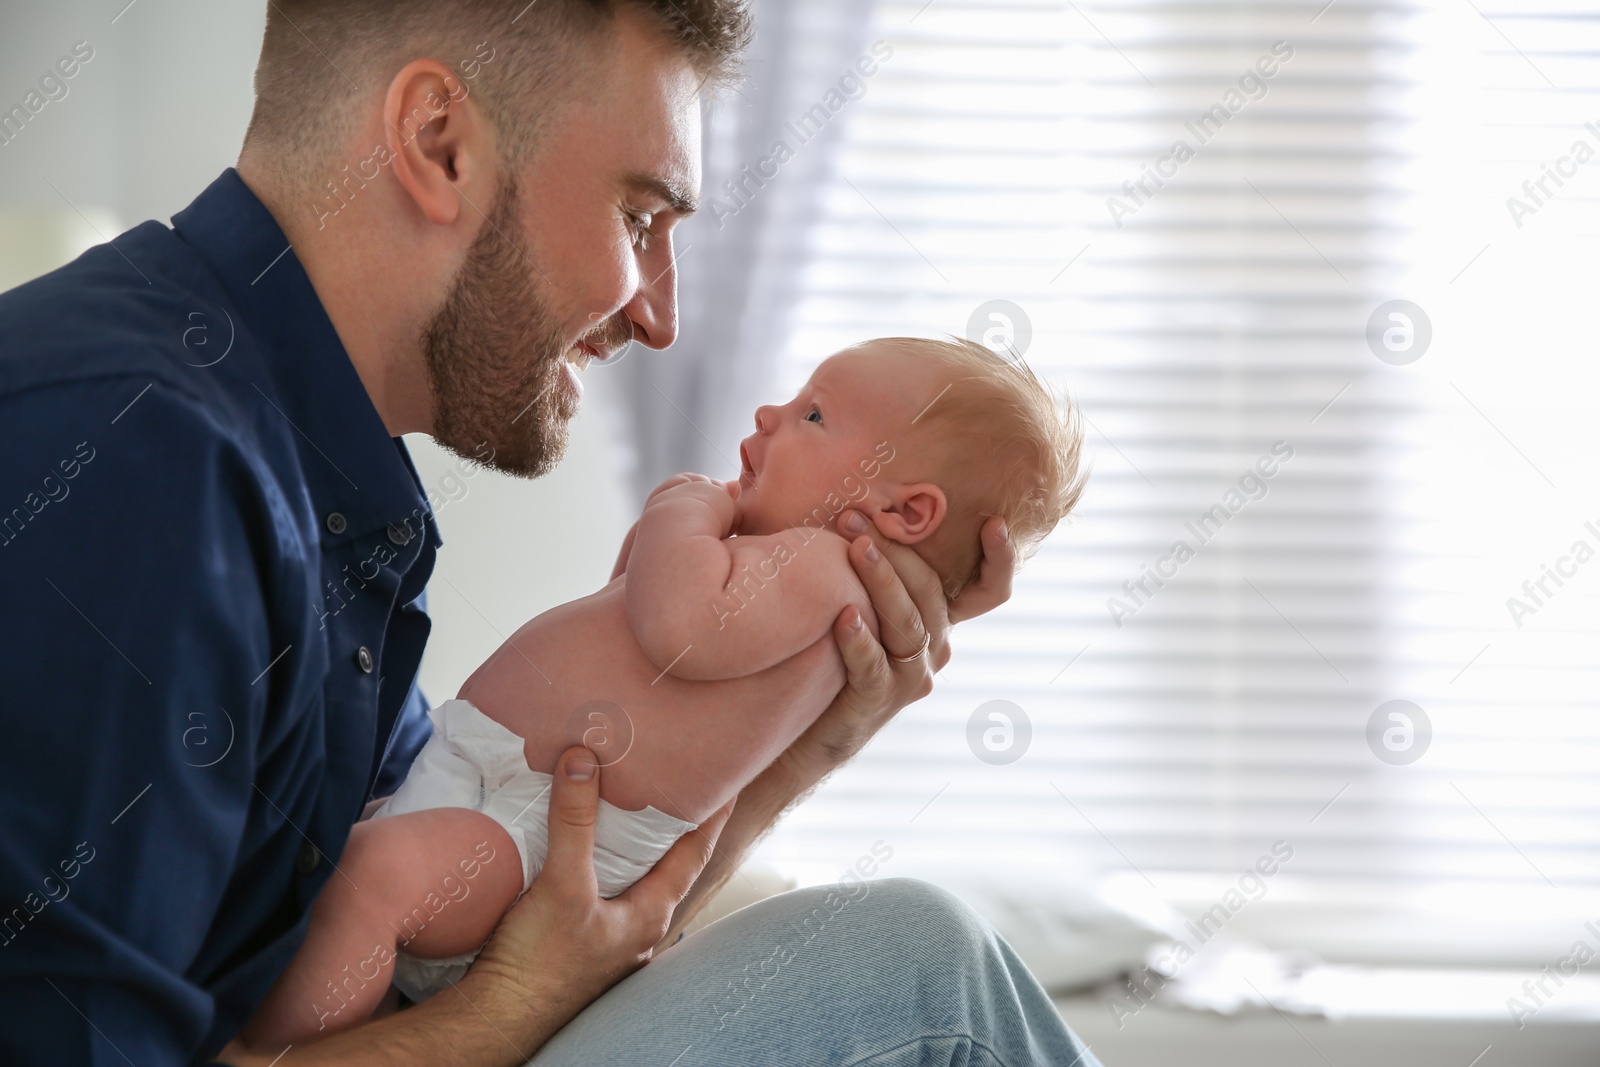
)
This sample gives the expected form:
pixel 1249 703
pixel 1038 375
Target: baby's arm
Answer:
pixel 705 607
pixel 627 542
pixel 624 553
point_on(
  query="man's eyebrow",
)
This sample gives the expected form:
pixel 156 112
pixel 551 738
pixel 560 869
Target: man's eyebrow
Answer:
pixel 681 202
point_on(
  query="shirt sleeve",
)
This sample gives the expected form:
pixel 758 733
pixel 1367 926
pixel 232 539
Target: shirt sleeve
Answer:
pixel 140 616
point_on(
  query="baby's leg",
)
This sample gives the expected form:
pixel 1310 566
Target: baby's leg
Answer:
pixel 432 883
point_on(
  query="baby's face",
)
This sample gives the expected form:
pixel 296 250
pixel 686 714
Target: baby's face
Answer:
pixel 831 440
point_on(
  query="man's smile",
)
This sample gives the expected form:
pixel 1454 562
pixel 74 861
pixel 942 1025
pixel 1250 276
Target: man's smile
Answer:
pixel 581 353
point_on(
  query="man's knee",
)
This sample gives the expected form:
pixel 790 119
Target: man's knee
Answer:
pixel 932 906
pixel 900 911
pixel 912 894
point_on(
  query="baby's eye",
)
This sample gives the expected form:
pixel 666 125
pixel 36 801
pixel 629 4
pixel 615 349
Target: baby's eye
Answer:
pixel 816 413
pixel 639 232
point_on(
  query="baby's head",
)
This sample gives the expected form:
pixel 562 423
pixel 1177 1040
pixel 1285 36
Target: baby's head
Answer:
pixel 928 439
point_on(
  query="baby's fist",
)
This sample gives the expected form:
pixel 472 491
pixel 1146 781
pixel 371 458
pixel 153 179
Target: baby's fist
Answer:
pixel 674 481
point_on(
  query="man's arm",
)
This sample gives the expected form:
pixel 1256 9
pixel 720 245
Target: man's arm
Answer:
pixel 909 602
pixel 134 622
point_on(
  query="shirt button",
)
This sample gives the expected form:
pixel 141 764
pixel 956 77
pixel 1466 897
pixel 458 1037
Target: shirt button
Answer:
pixel 364 659
pixel 400 535
pixel 307 860
pixel 336 523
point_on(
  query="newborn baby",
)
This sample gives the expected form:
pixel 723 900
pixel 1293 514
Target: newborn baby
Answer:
pixel 706 655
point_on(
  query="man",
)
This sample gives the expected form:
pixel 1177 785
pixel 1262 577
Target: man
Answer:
pixel 214 565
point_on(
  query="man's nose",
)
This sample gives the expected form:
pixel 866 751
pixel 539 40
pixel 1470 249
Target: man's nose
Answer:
pixel 654 307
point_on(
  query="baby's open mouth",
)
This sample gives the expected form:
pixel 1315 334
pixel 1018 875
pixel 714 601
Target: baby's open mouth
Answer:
pixel 747 474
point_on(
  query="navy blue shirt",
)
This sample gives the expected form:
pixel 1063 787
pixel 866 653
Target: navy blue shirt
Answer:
pixel 212 557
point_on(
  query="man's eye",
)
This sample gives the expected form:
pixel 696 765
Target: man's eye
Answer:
pixel 816 413
pixel 639 229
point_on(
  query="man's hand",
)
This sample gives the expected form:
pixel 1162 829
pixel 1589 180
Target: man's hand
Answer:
pixel 912 611
pixel 562 945
pixel 993 586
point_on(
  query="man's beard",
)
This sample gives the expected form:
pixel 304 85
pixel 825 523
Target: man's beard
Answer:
pixel 494 356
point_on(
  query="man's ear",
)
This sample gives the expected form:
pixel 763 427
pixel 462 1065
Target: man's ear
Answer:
pixel 442 149
pixel 912 512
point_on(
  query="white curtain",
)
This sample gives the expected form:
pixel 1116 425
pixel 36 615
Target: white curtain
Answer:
pixel 767 153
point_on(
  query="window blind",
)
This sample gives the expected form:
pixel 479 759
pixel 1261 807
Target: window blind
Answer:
pixel 1219 312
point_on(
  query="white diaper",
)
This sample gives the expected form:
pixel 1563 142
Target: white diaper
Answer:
pixel 473 762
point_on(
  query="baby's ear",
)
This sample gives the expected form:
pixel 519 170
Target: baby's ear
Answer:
pixel 912 512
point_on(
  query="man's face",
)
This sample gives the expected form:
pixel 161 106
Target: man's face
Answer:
pixel 575 259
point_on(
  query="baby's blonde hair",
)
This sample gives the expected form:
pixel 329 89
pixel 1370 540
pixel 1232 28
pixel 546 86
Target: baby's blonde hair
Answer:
pixel 1003 445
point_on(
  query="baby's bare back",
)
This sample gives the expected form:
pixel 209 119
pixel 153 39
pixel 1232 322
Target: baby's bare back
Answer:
pixel 577 675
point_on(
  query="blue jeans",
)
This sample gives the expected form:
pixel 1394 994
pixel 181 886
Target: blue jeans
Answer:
pixel 891 973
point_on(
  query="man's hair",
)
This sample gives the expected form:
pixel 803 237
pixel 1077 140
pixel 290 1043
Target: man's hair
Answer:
pixel 1000 444
pixel 322 59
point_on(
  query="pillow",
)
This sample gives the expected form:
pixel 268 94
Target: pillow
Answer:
pixel 1071 934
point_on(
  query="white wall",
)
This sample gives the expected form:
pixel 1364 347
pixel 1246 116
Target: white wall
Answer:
pixel 514 548
pixel 146 124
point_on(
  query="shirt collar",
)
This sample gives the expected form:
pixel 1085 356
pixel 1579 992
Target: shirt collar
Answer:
pixel 352 466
